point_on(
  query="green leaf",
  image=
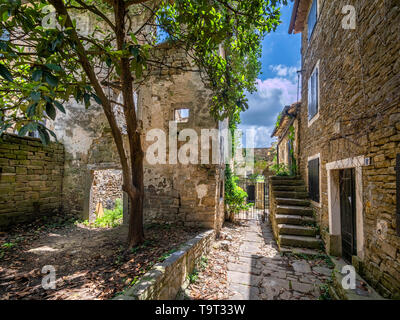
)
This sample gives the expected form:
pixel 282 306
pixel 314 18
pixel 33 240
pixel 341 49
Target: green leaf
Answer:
pixel 37 75
pixel 35 96
pixel 31 126
pixel 44 136
pixel 51 80
pixel 31 110
pixel 86 98
pixel 59 106
pixel 5 73
pixel 96 98
pixel 53 67
pixel 50 110
pixel 24 130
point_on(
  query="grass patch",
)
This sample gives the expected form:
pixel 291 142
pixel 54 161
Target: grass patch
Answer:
pixel 110 219
pixel 194 276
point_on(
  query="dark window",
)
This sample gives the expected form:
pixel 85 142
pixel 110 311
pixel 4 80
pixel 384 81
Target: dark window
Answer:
pixel 313 94
pixel 312 18
pixel 398 194
pixel 313 179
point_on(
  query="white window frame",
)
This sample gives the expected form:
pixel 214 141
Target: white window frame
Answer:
pixel 316 156
pixel 316 116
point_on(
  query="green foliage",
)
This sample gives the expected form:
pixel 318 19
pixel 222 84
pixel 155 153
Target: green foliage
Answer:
pixel 235 197
pixel 110 219
pixel 324 289
pixel 194 276
pixel 280 169
pixel 40 70
pixel 203 262
pixel 8 245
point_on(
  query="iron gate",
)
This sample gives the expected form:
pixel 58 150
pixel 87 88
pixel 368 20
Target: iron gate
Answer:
pixel 257 197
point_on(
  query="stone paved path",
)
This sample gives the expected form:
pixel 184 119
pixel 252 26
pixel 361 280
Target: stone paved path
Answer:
pixel 259 272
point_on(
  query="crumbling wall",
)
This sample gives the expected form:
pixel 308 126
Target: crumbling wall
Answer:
pixel 174 193
pixel 30 179
pixel 182 193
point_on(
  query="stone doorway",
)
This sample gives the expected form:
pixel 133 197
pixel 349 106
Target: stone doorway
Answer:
pixel 103 191
pixel 335 171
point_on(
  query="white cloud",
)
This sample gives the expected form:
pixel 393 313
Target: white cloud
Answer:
pixel 265 104
pixel 284 71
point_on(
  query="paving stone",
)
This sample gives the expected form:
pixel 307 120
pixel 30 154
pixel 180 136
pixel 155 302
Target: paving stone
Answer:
pixel 243 278
pixel 273 287
pixel 302 287
pixel 301 267
pixel 286 295
pixel 322 270
pixel 247 260
pixel 244 268
pixel 247 292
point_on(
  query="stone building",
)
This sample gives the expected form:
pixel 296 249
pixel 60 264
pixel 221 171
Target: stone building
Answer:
pixel 349 127
pixel 287 131
pixel 189 194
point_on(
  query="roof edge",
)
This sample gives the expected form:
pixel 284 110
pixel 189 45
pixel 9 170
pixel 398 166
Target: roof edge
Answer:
pixel 294 16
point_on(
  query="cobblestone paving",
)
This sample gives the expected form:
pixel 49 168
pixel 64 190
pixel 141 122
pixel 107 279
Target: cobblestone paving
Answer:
pixel 245 264
pixel 259 272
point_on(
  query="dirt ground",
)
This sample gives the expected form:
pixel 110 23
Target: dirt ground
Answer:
pixel 89 263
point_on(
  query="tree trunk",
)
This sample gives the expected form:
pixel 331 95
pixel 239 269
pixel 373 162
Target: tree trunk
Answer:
pixel 136 234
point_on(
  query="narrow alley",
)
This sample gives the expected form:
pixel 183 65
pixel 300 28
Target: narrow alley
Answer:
pixel 247 265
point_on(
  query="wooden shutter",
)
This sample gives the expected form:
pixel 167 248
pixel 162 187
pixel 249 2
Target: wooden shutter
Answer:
pixel 313 179
pixel 398 194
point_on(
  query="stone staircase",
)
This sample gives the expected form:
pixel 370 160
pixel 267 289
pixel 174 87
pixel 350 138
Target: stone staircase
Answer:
pixel 291 215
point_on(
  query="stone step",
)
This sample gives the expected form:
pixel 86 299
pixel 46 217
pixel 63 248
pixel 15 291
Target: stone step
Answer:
pixel 293 202
pixel 296 230
pixel 300 241
pixel 285 178
pixel 291 194
pixel 287 182
pixel 289 188
pixel 293 219
pixel 302 251
pixel 296 210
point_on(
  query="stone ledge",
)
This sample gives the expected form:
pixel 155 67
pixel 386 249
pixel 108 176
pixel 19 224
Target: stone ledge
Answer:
pixel 339 292
pixel 165 279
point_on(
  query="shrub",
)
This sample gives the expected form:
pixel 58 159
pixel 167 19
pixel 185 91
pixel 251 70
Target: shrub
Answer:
pixel 235 196
pixel 110 219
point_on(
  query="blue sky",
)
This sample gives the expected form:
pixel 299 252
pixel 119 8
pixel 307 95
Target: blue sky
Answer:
pixel 277 84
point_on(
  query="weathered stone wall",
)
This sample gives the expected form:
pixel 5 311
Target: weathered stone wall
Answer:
pixel 89 146
pixel 174 193
pixel 181 193
pixel 165 279
pixel 30 179
pixel 359 115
